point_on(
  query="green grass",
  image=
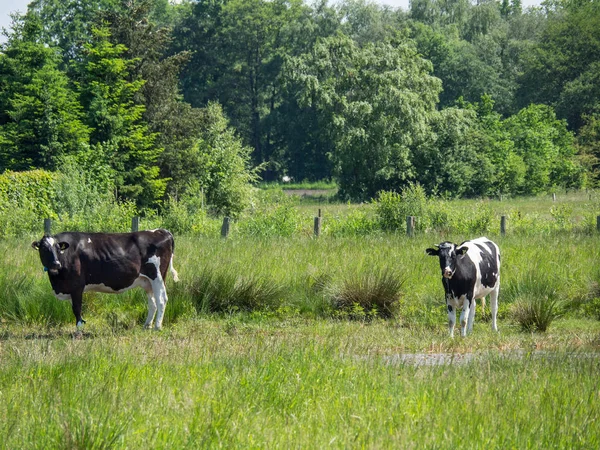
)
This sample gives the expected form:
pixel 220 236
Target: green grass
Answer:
pixel 278 367
pixel 297 384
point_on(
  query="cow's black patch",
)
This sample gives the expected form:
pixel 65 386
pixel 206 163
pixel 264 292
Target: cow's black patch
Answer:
pixel 449 308
pixel 150 271
pixel 488 267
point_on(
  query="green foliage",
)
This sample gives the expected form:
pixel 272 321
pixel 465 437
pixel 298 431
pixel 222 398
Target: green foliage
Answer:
pixel 358 222
pixel 547 148
pixel 224 165
pixel 392 208
pixel 41 119
pixel 187 216
pixel 107 95
pixel 267 218
pixel 371 117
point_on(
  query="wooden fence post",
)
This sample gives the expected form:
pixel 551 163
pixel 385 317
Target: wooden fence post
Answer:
pixel 410 226
pixel 225 227
pixel 135 224
pixel 503 225
pixel 554 196
pixel 598 223
pixel 47 226
pixel 317 226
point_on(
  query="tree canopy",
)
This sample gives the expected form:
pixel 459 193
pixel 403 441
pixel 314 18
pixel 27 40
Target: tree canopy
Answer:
pixel 157 99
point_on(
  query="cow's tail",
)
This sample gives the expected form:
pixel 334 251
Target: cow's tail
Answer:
pixel 171 268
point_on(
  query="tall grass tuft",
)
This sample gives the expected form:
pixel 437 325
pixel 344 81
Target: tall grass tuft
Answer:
pixel 23 300
pixel 368 294
pixel 226 291
pixel 537 300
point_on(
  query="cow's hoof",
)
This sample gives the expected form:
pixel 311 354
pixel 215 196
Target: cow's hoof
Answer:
pixel 78 334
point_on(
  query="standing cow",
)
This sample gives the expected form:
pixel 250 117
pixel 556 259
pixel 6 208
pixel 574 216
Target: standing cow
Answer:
pixel 470 271
pixel 110 263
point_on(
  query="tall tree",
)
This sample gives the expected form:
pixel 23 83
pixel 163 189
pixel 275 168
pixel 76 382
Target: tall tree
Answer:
pixel 118 130
pixel 40 117
pixel 372 105
pixel 563 70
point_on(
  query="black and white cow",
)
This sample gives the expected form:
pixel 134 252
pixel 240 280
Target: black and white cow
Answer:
pixel 110 263
pixel 470 271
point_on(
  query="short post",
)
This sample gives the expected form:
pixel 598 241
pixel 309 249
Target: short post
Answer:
pixel 225 227
pixel 317 227
pixel 554 196
pixel 135 224
pixel 503 225
pixel 47 226
pixel 410 226
pixel 598 223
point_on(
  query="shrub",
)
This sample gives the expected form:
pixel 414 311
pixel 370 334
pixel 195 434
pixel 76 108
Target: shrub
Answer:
pixel 280 218
pixel 366 295
pixel 357 223
pixel 393 208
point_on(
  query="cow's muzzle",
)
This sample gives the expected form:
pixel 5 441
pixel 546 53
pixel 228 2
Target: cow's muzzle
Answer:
pixel 447 273
pixel 55 267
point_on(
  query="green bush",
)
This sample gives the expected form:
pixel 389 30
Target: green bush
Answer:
pixel 279 218
pixel 392 208
pixel 359 222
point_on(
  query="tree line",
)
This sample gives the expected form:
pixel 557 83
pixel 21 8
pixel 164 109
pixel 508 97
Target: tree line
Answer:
pixel 152 99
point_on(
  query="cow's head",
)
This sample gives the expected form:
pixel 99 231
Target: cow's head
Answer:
pixel 448 254
pixel 49 249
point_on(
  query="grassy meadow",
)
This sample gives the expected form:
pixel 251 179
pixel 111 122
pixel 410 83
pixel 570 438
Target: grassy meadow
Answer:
pixel 285 342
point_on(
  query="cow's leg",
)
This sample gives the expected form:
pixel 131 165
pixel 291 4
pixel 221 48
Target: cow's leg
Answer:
pixel 76 301
pixel 151 308
pixel 472 309
pixel 464 315
pixel 494 305
pixel 451 319
pixel 160 294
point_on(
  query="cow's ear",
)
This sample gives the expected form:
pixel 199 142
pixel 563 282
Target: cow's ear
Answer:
pixel 63 246
pixel 36 245
pixel 461 251
pixel 432 251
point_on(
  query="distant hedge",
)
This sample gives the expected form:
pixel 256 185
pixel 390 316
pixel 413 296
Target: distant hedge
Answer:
pixel 34 190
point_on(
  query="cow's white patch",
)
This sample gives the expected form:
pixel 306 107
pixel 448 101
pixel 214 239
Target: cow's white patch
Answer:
pixel 51 241
pixel 89 241
pixel 141 281
pixel 61 296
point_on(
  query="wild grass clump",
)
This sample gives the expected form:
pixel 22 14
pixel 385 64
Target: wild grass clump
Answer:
pixel 537 300
pixel 225 291
pixel 367 295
